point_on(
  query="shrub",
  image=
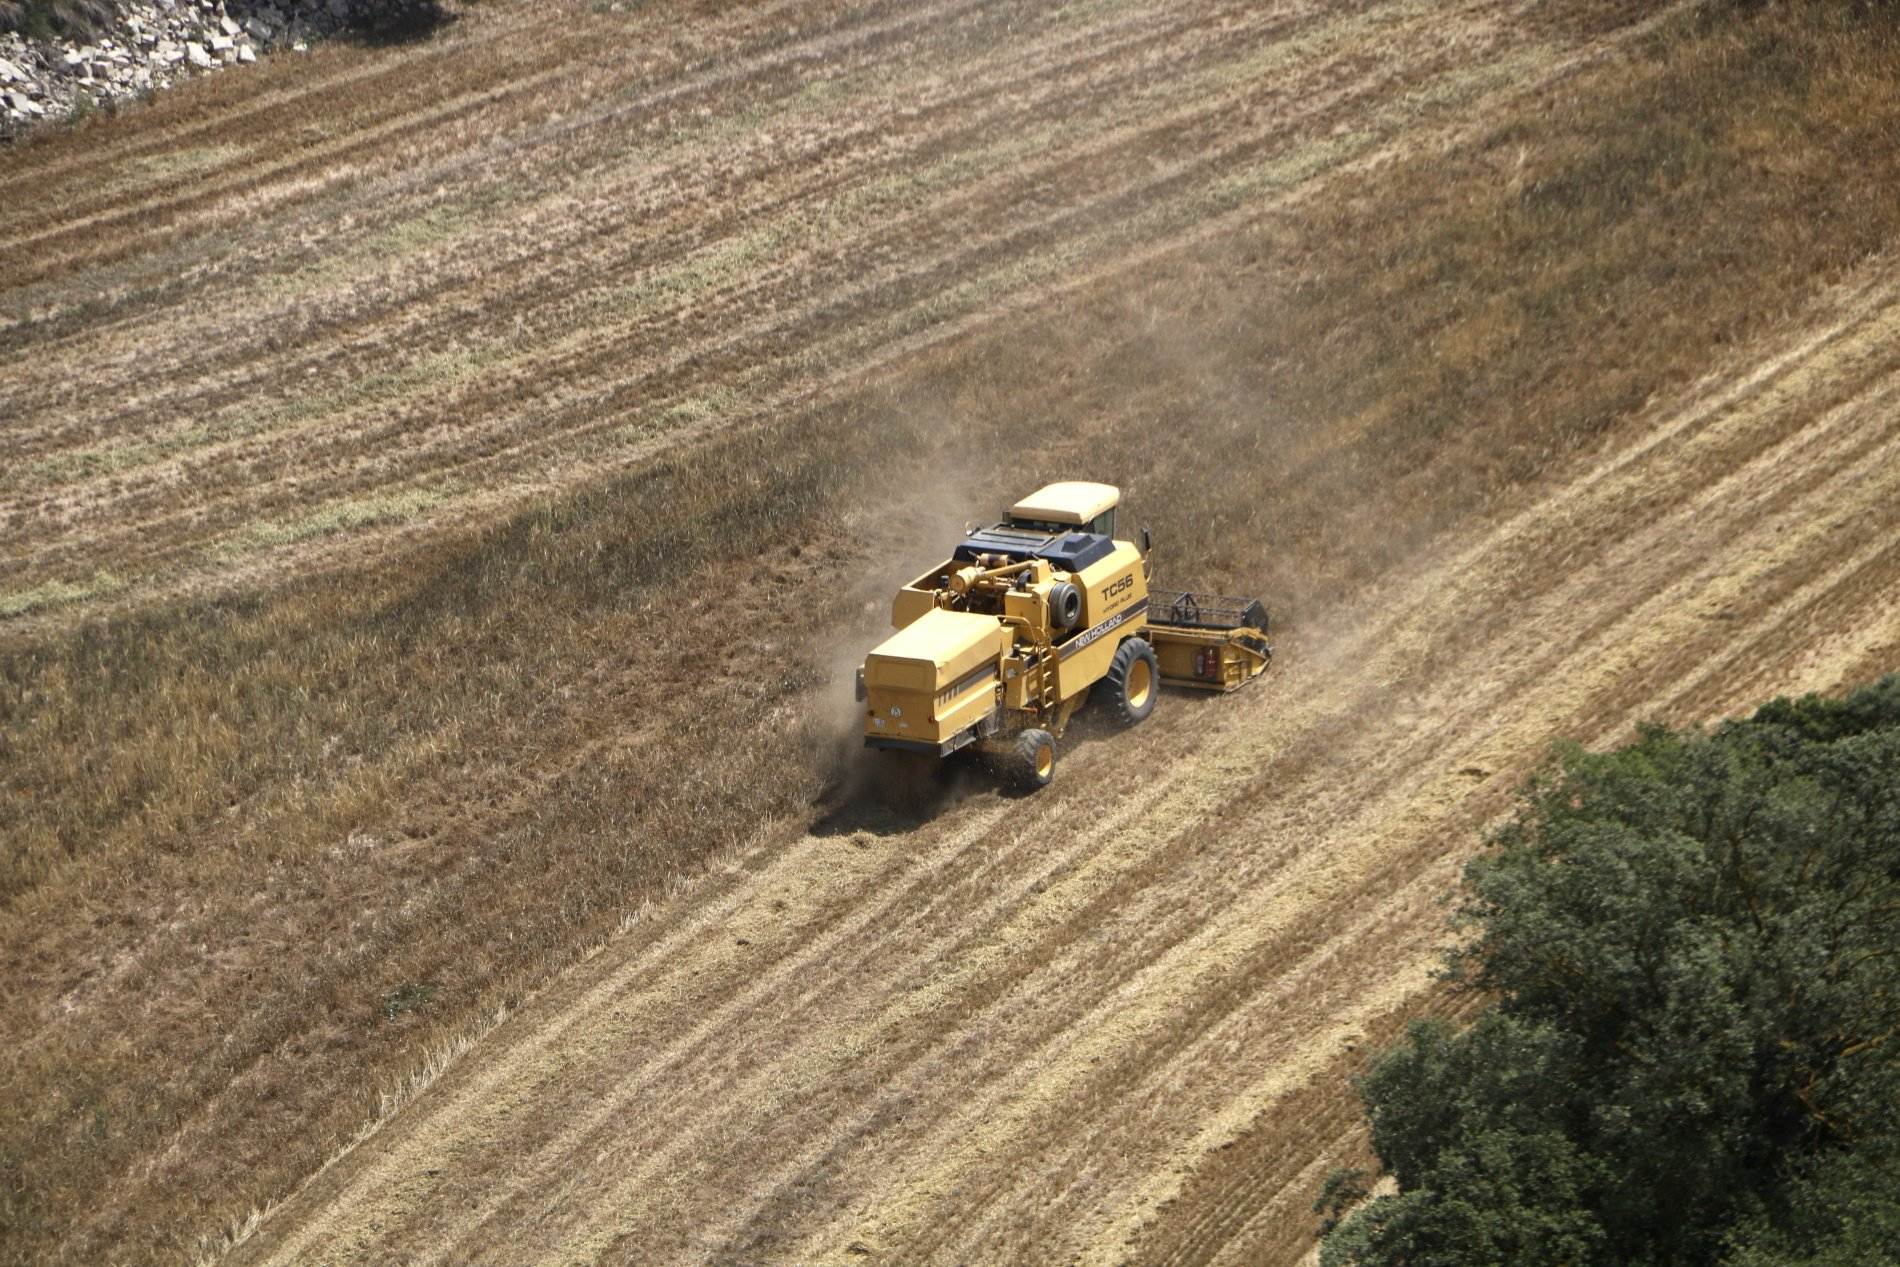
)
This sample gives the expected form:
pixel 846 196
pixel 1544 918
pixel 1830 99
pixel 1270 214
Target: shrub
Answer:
pixel 1694 947
pixel 56 19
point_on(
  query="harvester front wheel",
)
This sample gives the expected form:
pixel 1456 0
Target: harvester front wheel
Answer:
pixel 1033 759
pixel 1131 680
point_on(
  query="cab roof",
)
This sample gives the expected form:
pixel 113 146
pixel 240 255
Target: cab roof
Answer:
pixel 1067 502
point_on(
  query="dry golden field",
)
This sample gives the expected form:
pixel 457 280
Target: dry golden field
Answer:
pixel 446 486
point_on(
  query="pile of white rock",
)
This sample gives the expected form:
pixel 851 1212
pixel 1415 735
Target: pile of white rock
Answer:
pixel 152 45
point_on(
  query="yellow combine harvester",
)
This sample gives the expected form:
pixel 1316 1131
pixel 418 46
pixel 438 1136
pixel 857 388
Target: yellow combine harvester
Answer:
pixel 1001 644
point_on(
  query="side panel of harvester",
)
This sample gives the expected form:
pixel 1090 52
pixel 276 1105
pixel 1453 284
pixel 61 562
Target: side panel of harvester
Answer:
pixel 1114 607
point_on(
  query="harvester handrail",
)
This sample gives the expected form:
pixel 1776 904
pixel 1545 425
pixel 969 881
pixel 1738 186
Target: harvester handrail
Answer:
pixel 1204 611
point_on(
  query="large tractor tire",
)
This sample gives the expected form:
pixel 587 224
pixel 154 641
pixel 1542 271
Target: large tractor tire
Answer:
pixel 1032 759
pixel 1131 681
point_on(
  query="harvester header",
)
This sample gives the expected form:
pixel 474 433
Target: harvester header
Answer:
pixel 998 646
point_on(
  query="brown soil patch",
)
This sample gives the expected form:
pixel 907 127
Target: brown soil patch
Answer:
pixel 438 533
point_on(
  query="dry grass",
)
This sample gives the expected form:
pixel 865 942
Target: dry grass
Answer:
pixel 571 306
pixel 235 828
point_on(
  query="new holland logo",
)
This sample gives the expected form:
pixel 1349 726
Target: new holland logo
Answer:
pixel 1095 634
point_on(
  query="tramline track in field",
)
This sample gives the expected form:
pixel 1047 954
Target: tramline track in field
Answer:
pixel 1019 1038
pixel 370 451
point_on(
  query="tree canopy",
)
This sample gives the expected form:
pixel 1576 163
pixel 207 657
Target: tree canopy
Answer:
pixel 1693 948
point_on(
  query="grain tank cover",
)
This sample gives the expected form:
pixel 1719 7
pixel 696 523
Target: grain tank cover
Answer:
pixel 1067 502
pixel 936 650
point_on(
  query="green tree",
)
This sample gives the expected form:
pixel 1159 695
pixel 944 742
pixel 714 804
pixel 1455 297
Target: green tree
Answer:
pixel 1694 948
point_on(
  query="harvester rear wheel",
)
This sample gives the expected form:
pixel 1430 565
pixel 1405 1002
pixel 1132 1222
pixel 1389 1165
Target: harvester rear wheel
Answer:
pixel 1033 759
pixel 1131 680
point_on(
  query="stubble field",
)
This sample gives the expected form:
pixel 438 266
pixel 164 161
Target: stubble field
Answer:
pixel 446 486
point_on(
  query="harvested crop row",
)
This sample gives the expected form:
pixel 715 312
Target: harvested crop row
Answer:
pixel 753 308
pixel 990 1044
pixel 276 852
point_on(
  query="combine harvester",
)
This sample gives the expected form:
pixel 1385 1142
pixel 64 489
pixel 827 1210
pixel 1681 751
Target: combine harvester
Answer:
pixel 998 647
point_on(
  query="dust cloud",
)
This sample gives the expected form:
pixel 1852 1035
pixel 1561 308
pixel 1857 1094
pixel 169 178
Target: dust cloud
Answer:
pixel 914 521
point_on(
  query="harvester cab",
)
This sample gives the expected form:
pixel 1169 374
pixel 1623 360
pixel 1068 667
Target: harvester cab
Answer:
pixel 998 646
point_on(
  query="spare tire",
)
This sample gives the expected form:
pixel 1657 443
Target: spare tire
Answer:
pixel 1065 605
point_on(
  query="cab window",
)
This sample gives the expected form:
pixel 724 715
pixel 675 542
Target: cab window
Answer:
pixel 1103 524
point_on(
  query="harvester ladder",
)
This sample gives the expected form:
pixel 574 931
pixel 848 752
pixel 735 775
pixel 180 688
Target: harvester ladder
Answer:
pixel 1046 680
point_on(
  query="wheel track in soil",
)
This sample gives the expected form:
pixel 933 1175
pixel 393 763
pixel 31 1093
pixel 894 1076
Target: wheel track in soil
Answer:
pixel 1015 65
pixel 562 274
pixel 517 438
pixel 524 143
pixel 1011 1035
pixel 523 60
pixel 606 341
pixel 1223 1220
pixel 545 296
pixel 400 190
pixel 205 122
